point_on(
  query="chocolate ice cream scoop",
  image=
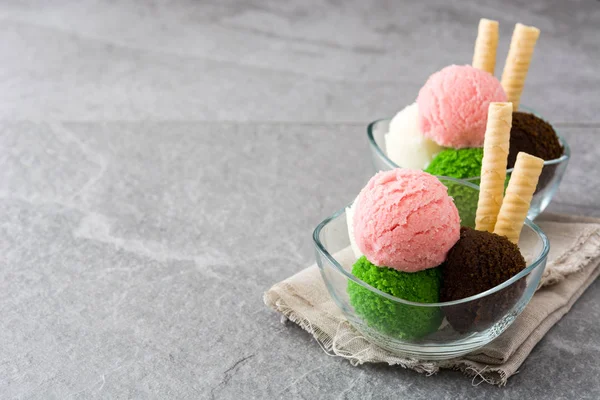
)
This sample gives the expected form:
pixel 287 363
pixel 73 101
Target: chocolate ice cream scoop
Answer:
pixel 534 136
pixel 478 262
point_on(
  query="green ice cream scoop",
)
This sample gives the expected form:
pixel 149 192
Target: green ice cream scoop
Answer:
pixel 457 163
pixel 460 164
pixel 389 317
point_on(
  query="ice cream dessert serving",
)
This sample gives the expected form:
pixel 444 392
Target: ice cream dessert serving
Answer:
pixel 442 132
pixel 404 223
pixel 408 241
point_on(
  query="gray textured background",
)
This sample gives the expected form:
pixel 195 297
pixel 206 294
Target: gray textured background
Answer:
pixel 161 165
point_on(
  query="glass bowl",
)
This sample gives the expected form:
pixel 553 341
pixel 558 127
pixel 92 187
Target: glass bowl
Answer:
pixel 552 173
pixel 460 326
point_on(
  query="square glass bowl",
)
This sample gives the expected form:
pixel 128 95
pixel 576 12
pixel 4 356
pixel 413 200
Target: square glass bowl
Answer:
pixel 552 173
pixel 390 322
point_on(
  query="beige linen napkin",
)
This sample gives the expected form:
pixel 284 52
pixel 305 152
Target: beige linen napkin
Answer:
pixel 573 264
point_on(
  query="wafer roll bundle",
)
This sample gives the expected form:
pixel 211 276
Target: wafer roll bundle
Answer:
pixel 517 62
pixel 493 168
pixel 484 56
pixel 519 192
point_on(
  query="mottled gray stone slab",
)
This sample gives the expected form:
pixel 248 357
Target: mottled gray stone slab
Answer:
pixel 134 257
pixel 136 241
pixel 276 61
pixel 579 192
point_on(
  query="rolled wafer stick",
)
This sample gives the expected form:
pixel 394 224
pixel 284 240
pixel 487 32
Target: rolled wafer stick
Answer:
pixel 484 56
pixel 519 192
pixel 517 62
pixel 493 166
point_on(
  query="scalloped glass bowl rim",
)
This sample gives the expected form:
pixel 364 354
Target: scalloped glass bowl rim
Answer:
pixel 539 259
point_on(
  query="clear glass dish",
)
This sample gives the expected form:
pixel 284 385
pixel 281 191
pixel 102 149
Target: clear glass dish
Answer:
pixel 487 314
pixel 550 178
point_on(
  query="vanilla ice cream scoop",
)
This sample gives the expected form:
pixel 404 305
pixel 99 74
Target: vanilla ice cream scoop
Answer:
pixel 350 222
pixel 405 144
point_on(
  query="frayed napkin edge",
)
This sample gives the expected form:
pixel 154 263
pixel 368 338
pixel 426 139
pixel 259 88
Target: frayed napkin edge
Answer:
pixel 488 374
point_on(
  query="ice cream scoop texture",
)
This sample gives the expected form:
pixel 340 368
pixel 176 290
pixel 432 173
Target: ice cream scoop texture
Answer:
pixel 394 318
pixel 404 219
pixel 453 105
pixel 405 144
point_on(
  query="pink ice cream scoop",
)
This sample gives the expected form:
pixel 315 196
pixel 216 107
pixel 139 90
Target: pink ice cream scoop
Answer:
pixel 453 105
pixel 404 219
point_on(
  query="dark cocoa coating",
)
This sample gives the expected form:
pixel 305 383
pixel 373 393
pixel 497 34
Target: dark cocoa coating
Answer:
pixel 478 262
pixel 534 136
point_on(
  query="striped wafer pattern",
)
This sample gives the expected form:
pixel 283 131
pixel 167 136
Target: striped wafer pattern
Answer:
pixel 493 168
pixel 484 56
pixel 520 190
pixel 517 62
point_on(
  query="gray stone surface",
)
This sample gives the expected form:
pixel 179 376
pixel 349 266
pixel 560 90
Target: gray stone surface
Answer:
pixel 275 61
pixel 163 165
